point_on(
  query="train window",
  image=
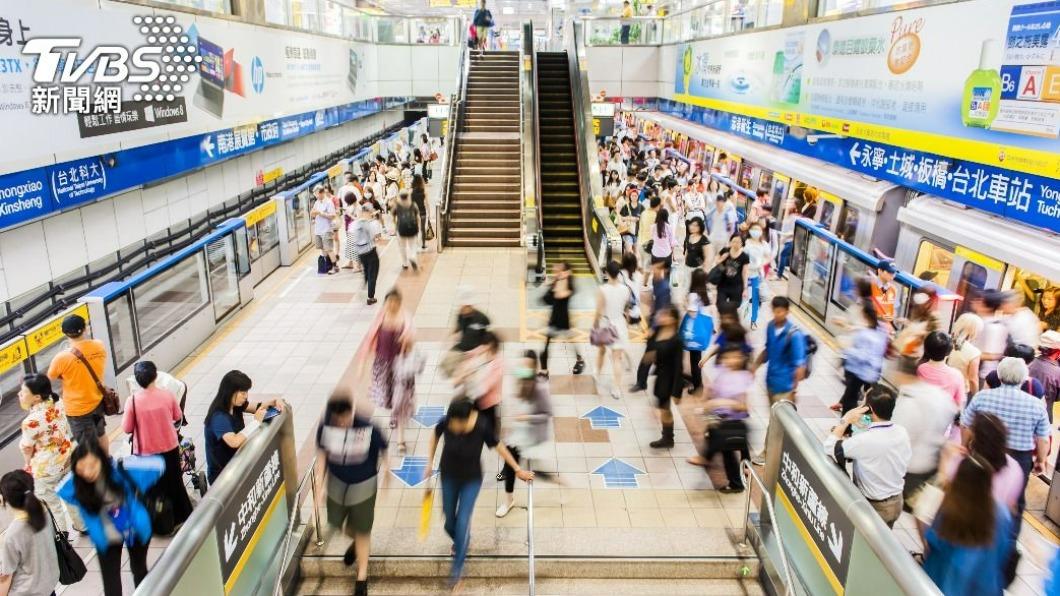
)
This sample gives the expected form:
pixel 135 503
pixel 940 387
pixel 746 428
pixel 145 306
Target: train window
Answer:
pixel 848 224
pixel 826 214
pixel 1040 295
pixel 971 283
pixel 253 243
pixel 936 259
pixel 850 269
pixel 242 254
pixel 798 252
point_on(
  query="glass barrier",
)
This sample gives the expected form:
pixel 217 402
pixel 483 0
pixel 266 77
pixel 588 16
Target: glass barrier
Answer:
pixel 219 6
pixel 268 235
pixel 301 218
pixel 708 20
pixel 828 8
pixel 170 298
pixel 334 18
pixel 122 332
pixel 224 281
pixel 12 369
pixel 242 253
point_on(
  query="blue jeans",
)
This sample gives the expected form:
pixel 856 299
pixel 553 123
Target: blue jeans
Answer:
pixel 458 501
pixel 756 297
pixel 785 257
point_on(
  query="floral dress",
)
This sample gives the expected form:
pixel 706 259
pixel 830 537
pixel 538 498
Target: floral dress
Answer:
pixel 387 348
pixel 46 430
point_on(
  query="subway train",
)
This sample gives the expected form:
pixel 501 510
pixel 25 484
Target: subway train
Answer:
pixel 858 220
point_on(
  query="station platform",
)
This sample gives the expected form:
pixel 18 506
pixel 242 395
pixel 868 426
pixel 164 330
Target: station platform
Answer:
pixel 665 528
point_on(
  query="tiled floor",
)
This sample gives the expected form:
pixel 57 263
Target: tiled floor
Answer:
pixel 298 339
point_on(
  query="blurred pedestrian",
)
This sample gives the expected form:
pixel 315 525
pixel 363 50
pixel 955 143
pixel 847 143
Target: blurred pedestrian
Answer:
pixel 28 562
pixel 529 427
pixel 558 297
pixel 665 352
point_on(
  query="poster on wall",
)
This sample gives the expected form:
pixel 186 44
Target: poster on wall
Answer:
pixel 93 76
pixel 983 89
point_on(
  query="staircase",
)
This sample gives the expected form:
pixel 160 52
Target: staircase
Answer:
pixel 560 191
pixel 486 199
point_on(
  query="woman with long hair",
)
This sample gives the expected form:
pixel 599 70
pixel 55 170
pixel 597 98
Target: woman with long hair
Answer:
pixel 966 355
pixel 970 540
pixel 106 493
pixel 760 253
pixel 697 305
pixel 29 565
pixel 391 334
pixel 663 240
pixel 665 351
pixel 734 265
pixel 612 300
pixel 224 420
pixel 46 443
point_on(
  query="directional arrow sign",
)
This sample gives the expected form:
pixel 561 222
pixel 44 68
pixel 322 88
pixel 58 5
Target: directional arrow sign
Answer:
pixel 207 146
pixel 603 417
pixel 854 153
pixel 618 474
pixel 411 470
pixel 428 416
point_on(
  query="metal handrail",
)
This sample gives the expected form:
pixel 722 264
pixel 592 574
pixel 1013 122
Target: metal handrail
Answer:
pixel 285 560
pixel 746 466
pixel 530 533
pixel 456 107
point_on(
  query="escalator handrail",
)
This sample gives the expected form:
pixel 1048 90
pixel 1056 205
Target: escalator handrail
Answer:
pixel 537 157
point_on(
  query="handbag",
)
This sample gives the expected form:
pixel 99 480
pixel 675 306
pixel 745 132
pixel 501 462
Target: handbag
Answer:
pixel 158 504
pixel 696 331
pixel 111 402
pixel 715 275
pixel 603 334
pixel 71 568
pixel 429 233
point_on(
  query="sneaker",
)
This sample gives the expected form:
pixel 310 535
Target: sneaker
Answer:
pixel 372 301
pixel 349 557
pixel 662 443
pixel 615 393
pixel 730 489
pixel 759 460
pixel 504 508
pixel 637 388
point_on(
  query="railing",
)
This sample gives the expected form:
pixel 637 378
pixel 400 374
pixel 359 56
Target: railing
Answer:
pixel 530 533
pixel 456 108
pixel 749 469
pixel 539 236
pixel 712 19
pixel 299 495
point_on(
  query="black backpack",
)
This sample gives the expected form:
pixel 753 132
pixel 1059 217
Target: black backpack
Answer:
pixel 406 221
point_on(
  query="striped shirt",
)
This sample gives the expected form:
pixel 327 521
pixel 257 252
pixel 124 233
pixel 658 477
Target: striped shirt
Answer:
pixel 1023 414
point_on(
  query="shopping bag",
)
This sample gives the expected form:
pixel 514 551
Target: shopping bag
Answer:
pixel 425 514
pixel 696 331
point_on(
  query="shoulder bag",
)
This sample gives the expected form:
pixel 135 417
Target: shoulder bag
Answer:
pixel 604 334
pixel 71 568
pixel 111 402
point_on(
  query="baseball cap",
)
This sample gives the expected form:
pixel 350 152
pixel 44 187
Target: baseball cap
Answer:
pixel 1050 340
pixel 888 266
pixel 73 325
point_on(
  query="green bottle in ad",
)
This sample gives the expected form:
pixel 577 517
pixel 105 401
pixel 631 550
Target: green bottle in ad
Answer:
pixel 982 89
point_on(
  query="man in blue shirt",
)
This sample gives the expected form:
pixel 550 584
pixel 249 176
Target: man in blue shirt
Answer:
pixel 784 354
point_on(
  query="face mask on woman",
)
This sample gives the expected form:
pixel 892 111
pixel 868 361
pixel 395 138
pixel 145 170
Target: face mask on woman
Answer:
pixel 755 233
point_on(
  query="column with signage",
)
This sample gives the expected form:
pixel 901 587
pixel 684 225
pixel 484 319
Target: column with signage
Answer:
pixel 603 119
pixel 438 119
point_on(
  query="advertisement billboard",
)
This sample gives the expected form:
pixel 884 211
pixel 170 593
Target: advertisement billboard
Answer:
pixel 934 80
pixel 93 77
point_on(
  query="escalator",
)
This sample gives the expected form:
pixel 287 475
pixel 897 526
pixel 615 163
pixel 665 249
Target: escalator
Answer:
pixel 561 201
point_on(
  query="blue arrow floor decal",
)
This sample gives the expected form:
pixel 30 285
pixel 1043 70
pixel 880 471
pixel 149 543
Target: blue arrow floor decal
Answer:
pixel 619 474
pixel 603 417
pixel 428 416
pixel 411 470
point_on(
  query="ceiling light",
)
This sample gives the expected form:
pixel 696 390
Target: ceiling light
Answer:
pixel 507 10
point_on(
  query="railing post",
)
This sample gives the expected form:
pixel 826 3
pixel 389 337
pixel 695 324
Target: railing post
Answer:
pixel 530 531
pixel 316 514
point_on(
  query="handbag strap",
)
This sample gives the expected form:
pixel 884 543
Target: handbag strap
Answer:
pixel 55 526
pixel 77 354
pixel 136 425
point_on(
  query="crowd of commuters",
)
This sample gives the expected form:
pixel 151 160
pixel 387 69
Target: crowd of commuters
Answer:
pixel 386 198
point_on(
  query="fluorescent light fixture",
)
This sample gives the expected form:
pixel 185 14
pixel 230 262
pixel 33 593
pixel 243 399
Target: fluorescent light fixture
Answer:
pixel 507 10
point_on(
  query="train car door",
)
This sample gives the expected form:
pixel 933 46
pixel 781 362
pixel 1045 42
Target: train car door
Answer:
pixel 972 273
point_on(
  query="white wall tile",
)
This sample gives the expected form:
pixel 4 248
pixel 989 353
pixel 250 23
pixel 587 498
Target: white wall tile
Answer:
pixel 100 227
pixel 25 258
pixel 65 238
pixel 129 216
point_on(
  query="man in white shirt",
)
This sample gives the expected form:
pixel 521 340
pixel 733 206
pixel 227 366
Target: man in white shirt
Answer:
pixel 350 187
pixel 1023 325
pixel 880 453
pixel 323 213
pixel 926 413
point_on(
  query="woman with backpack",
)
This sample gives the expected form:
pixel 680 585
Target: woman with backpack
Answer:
pixel 407 222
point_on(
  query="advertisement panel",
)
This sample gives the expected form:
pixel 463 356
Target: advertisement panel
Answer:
pixel 82 76
pixel 935 80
